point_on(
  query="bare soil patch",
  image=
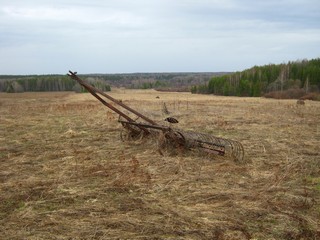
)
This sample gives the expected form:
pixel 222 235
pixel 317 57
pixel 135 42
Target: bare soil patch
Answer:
pixel 66 174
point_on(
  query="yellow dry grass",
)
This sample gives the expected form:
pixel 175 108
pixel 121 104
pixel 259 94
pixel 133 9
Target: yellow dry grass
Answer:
pixel 65 174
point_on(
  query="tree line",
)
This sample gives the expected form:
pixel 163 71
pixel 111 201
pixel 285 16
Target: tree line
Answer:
pixel 181 81
pixel 301 76
pixel 46 83
pixel 159 81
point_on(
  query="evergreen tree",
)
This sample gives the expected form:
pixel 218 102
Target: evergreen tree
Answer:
pixel 260 80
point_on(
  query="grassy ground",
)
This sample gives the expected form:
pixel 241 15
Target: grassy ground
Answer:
pixel 65 174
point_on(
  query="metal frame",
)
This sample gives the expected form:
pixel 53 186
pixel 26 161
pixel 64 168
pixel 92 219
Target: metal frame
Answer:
pixel 186 139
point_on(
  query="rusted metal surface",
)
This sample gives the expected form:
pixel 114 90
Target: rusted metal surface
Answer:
pixel 179 138
pixel 191 139
pixel 92 90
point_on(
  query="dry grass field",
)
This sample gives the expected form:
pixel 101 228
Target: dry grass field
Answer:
pixel 66 174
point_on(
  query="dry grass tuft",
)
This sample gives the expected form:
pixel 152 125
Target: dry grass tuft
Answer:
pixel 66 174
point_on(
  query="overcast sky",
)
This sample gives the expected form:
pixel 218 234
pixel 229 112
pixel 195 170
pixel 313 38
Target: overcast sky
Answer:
pixel 123 36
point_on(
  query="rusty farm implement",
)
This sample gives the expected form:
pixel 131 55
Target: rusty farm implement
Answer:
pixel 134 129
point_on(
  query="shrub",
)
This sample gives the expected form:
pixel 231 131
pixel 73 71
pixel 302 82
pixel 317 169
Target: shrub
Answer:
pixel 311 96
pixel 292 93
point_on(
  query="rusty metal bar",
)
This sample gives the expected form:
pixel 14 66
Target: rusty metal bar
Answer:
pixel 87 86
pixel 158 127
pixel 110 106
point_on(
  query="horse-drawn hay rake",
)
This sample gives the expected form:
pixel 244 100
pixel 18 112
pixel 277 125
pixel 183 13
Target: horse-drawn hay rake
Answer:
pixel 177 138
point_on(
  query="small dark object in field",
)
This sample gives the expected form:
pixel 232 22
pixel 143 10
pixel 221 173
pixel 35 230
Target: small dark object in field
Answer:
pixel 300 102
pixel 171 120
pixel 165 109
pixel 157 97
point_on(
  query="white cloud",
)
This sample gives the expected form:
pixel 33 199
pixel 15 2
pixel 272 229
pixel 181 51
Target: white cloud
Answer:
pixel 155 35
pixel 72 15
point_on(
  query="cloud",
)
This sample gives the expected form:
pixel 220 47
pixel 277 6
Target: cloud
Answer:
pixel 155 35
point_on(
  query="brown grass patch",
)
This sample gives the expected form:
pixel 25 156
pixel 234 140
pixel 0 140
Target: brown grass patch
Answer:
pixel 66 174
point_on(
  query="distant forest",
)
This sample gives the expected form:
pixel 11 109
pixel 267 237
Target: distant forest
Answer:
pixel 159 81
pixel 298 79
pixel 292 80
pixel 45 83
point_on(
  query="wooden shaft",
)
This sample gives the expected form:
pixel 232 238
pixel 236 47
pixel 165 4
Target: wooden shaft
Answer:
pixel 87 86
